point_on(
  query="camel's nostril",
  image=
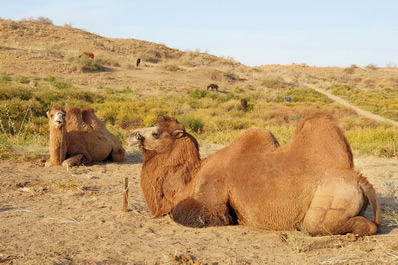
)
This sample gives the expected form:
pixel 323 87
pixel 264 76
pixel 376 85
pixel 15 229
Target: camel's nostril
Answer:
pixel 139 137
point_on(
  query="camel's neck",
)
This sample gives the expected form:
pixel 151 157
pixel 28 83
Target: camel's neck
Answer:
pixel 166 178
pixel 57 145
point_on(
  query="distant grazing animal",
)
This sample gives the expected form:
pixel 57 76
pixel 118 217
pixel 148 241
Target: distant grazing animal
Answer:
pixel 307 184
pixel 88 54
pixel 78 137
pixel 288 99
pixel 243 102
pixel 138 62
pixel 212 86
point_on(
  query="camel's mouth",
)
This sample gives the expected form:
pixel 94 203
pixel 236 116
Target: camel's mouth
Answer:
pixel 136 140
pixel 58 123
pixel 59 120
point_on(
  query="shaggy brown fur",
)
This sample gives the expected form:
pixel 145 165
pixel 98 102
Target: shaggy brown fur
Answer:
pixel 78 137
pixel 307 184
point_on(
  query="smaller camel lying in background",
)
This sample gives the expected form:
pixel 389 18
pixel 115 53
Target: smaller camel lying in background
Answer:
pixel 79 137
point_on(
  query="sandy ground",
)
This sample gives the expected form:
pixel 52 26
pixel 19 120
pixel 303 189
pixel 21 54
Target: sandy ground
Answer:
pixel 51 216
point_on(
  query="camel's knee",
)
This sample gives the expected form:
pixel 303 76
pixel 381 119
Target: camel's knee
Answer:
pixel 190 212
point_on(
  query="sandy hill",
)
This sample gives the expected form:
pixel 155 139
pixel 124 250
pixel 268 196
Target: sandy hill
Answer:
pixel 37 50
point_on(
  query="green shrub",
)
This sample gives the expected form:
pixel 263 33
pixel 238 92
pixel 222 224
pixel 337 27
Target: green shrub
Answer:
pixel 149 58
pixel 379 141
pixel 238 90
pixel 4 77
pixel 86 64
pixel 106 61
pixel 197 93
pixel 191 122
pixel 8 93
pixel 303 95
pixel 21 79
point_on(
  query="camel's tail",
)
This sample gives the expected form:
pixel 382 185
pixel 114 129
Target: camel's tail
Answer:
pixel 370 194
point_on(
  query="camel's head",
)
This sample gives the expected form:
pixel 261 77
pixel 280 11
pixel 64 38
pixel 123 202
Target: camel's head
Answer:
pixel 57 116
pixel 159 138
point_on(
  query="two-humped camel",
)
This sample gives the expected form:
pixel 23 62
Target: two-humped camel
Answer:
pixel 308 184
pixel 78 137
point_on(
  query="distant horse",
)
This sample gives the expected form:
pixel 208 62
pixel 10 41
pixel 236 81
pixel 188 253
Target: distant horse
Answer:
pixel 243 102
pixel 288 99
pixel 138 62
pixel 212 86
pixel 88 54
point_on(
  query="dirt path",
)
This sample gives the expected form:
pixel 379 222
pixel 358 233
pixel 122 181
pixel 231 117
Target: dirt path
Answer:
pixel 345 103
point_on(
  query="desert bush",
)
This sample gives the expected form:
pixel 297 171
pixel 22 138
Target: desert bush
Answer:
pixel 149 59
pixel 340 90
pixel 9 92
pixel 238 90
pixel 214 74
pixel 303 95
pixel 171 67
pixel 369 83
pixel 40 19
pixel 349 70
pixel 371 67
pixel 56 83
pixel 230 77
pixel 197 93
pixel 86 64
pixel 21 79
pixel 106 61
pixel 276 84
pixel 4 77
pixel 128 90
pixel 377 141
pixel 191 122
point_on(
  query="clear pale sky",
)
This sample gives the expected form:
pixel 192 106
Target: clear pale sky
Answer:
pixel 315 32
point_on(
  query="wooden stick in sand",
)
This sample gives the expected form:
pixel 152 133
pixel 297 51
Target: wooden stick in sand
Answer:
pixel 126 194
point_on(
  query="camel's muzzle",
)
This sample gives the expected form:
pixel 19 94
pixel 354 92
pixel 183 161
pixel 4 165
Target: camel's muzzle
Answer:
pixel 136 139
pixel 59 120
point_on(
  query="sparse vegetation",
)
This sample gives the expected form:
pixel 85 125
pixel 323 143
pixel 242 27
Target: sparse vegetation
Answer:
pixel 40 19
pixel 382 102
pixel 213 117
pixel 86 64
pixel 4 77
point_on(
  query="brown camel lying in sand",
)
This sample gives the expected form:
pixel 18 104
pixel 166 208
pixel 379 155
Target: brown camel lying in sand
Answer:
pixel 307 184
pixel 78 137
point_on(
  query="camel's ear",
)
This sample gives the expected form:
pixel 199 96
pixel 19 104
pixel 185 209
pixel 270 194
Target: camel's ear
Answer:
pixel 48 114
pixel 178 134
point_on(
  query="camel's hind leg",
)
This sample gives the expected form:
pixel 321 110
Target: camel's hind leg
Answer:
pixel 334 210
pixel 359 225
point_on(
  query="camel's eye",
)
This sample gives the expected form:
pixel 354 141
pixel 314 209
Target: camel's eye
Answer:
pixel 156 135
